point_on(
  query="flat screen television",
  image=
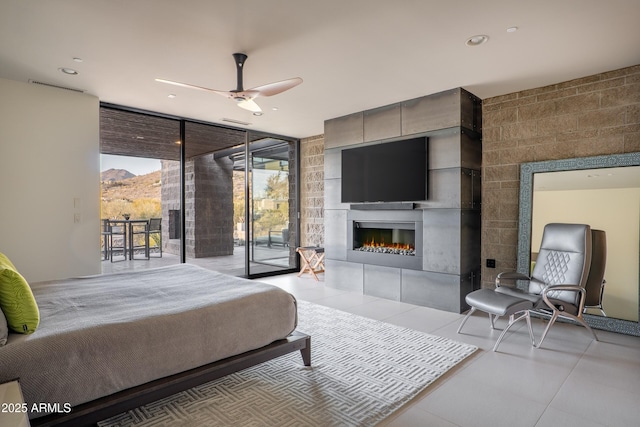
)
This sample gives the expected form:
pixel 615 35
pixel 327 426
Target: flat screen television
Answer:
pixel 387 172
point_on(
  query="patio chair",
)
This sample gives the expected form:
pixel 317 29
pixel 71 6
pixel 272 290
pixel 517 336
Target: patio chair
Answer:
pixel 139 228
pixel 117 239
pixel 155 234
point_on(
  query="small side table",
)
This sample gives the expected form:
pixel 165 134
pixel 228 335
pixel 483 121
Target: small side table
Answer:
pixel 312 258
pixel 13 410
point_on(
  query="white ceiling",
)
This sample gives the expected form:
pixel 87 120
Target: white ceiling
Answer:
pixel 352 54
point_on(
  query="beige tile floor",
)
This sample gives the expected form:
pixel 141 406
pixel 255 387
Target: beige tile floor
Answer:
pixel 570 381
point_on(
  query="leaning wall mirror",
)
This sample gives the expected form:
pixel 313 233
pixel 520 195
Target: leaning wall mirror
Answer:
pixel 604 192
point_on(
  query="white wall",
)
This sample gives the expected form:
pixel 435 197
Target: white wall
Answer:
pixel 49 175
pixel 617 212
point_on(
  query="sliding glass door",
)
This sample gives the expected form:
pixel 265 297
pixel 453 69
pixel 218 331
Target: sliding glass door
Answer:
pixel 273 212
pixel 227 197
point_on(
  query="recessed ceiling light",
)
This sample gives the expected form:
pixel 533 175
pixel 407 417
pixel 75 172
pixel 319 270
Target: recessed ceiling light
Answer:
pixel 171 95
pixel 512 29
pixel 69 71
pixel 258 113
pixel 76 59
pixel 476 40
pixel 275 108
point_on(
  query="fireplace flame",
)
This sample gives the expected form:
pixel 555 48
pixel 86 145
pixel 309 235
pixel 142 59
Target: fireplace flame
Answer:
pixel 400 246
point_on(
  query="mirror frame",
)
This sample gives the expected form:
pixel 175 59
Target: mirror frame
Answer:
pixel 527 171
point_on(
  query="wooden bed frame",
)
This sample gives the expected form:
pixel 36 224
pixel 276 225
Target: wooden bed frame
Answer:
pixel 100 409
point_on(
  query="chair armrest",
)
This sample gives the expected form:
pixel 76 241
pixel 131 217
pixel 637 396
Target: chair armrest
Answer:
pixel 510 275
pixel 571 288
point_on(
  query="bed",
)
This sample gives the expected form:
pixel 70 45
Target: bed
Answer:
pixel 110 343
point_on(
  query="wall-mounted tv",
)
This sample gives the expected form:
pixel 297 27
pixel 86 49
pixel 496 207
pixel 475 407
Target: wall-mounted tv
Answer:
pixel 387 172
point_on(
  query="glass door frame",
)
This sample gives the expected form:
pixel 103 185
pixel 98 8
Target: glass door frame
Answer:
pixel 249 220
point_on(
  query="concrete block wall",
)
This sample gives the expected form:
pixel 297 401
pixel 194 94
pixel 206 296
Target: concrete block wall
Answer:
pixel 312 191
pixel 212 199
pixel 589 116
pixel 170 193
pixel 208 206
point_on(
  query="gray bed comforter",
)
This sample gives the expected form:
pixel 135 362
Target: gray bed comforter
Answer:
pixel 102 334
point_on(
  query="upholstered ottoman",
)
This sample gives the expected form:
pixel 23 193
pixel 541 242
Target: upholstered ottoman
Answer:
pixel 498 304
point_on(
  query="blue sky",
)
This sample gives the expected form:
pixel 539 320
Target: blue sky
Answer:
pixel 135 165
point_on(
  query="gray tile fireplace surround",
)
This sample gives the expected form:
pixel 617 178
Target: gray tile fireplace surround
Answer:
pixel 446 265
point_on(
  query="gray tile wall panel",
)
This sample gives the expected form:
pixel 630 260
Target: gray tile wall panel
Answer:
pixel 343 131
pixel 444 149
pixel 441 234
pixel 332 194
pixel 470 151
pixel 348 276
pixel 476 197
pixel 435 290
pixel 444 188
pixel 470 111
pixel 432 112
pixel 382 282
pixel 333 163
pixel 335 234
pixel 466 285
pixel 466 188
pixel 470 240
pixel 382 123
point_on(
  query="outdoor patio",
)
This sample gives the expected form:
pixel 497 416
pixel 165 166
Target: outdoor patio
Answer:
pixel 271 259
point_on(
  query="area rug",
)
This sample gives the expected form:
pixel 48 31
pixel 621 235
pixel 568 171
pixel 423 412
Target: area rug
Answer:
pixel 362 371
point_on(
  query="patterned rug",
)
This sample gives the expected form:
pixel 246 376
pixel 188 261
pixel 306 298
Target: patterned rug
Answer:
pixel 362 371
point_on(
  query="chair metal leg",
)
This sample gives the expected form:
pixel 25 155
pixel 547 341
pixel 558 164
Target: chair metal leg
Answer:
pixel 546 330
pixel 493 318
pixel 583 323
pixel 555 316
pixel 465 318
pixel 533 340
pixel 512 321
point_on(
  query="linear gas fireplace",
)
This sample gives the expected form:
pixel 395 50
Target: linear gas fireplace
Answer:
pixel 385 238
pixel 385 241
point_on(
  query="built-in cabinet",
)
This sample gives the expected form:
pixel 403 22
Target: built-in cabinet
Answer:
pixel 450 217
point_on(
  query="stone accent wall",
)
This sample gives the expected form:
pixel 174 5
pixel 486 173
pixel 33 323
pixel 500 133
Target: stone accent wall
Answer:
pixel 209 206
pixel 170 184
pixel 210 191
pixel 590 116
pixel 312 191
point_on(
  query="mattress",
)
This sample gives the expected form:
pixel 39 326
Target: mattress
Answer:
pixel 103 334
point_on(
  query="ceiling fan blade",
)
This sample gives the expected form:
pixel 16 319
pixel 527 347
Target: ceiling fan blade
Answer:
pixel 219 92
pixel 249 104
pixel 244 98
pixel 277 87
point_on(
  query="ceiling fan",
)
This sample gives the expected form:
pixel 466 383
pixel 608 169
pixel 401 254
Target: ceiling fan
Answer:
pixel 245 98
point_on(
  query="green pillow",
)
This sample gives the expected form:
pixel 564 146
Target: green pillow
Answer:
pixel 16 299
pixel 4 332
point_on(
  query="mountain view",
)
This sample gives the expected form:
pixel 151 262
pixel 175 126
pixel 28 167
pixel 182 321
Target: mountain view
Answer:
pixel 112 175
pixel 126 193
